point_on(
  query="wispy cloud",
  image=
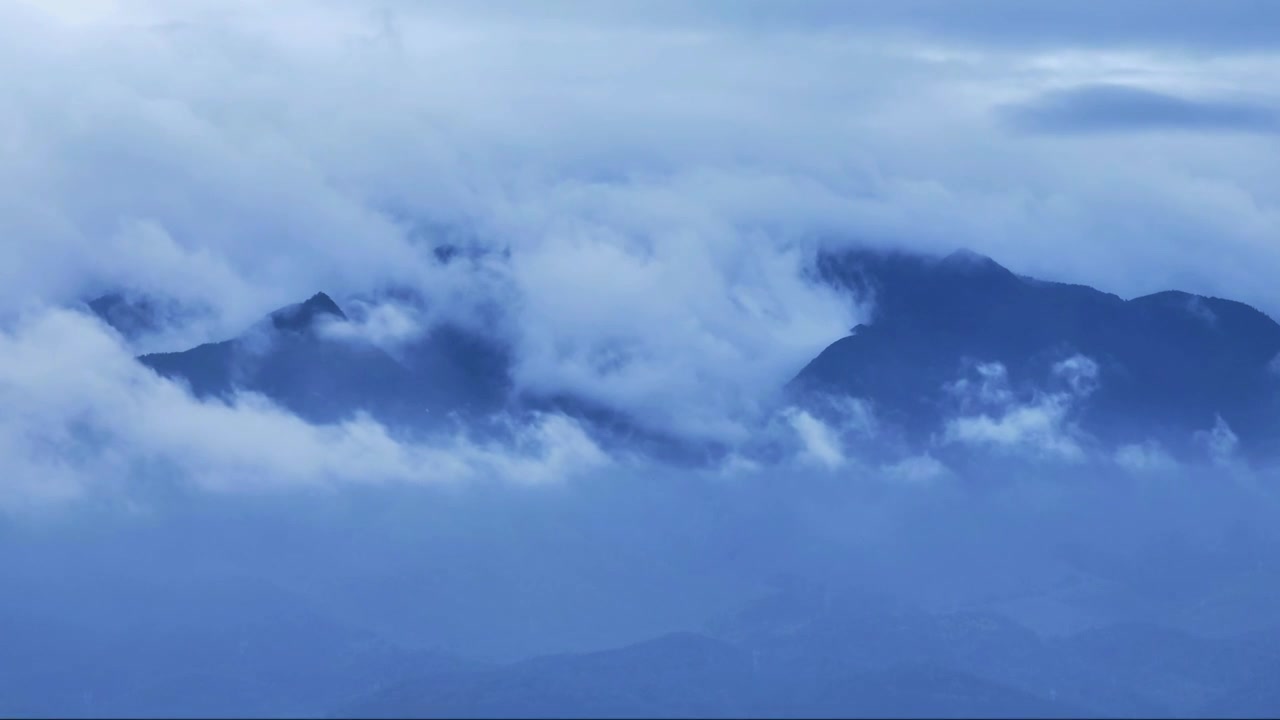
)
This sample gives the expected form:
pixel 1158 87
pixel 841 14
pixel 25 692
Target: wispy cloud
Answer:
pixel 1120 109
pixel 994 416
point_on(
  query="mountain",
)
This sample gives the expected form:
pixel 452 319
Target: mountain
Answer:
pixel 323 377
pixel 132 317
pixel 682 675
pixel 951 337
pixel 1168 365
pixel 448 372
pixel 812 650
pixel 809 638
pixel 692 675
pixel 138 316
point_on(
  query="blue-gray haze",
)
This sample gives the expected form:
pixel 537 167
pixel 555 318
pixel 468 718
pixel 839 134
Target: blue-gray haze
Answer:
pixel 578 359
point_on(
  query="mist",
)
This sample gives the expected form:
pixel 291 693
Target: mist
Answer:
pixel 499 571
pixel 365 357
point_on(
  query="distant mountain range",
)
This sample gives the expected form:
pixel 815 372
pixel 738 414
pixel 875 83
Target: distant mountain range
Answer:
pixel 179 648
pixel 236 647
pixel 818 652
pixel 950 337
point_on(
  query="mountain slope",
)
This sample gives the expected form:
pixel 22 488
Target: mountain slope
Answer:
pixel 1167 365
pixel 952 337
pixel 288 358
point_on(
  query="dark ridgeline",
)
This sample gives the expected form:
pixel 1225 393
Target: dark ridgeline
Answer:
pixel 288 358
pixel 1169 364
pixel 823 653
pixel 687 675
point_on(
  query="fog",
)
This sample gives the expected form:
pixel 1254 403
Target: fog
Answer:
pixel 629 200
pixel 498 570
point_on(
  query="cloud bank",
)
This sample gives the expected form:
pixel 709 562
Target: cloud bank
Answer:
pixel 637 188
pixel 83 418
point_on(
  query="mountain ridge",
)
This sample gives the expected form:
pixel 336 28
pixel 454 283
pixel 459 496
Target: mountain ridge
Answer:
pixel 1168 361
pixel 1168 364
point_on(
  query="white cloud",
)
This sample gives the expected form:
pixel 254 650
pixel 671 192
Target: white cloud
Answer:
pixel 1144 457
pixel 820 444
pixel 688 334
pixel 828 433
pixel 1220 442
pixel 1080 374
pixel 83 416
pixel 990 387
pixel 658 186
pixel 1040 426
pixel 386 325
pixel 917 469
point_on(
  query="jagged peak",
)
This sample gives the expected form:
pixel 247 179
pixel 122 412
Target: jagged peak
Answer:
pixel 967 259
pixel 303 315
pixel 322 302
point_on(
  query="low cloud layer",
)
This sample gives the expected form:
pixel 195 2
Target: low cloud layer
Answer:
pixel 84 418
pixel 637 188
pixel 360 132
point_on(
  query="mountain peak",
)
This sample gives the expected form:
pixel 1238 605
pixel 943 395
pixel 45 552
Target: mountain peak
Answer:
pixel 966 259
pixel 322 301
pixel 1171 361
pixel 303 315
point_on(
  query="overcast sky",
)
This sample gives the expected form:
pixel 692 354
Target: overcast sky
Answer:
pixel 659 171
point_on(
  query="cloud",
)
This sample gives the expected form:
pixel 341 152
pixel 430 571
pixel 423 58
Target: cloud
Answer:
pixel 637 188
pixel 643 197
pixel 820 444
pixel 990 387
pixel 1117 108
pixel 828 433
pixel 1038 428
pixel 83 417
pixel 993 416
pixel 1144 458
pixel 387 325
pixel 918 469
pixel 1079 372
pixel 689 335
pixel 1233 25
pixel 1220 442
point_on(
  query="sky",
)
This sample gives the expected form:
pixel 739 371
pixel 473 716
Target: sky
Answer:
pixel 647 180
pixel 639 189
